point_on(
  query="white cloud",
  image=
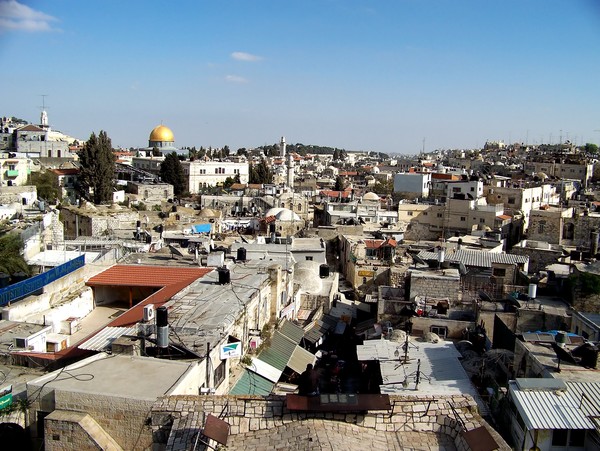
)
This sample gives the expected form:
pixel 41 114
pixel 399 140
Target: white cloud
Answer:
pixel 235 79
pixel 242 56
pixel 16 16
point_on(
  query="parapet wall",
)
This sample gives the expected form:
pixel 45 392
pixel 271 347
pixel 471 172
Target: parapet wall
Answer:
pixel 449 415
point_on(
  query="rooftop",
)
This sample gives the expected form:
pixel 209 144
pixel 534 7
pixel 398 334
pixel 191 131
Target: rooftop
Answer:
pixel 106 375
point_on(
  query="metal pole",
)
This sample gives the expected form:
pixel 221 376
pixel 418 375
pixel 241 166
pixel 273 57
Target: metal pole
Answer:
pixel 418 378
pixel 207 365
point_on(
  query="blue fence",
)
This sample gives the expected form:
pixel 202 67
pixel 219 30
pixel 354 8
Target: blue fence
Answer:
pixel 26 287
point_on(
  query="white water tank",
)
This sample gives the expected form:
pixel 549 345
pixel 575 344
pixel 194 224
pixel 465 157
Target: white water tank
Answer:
pixel 532 292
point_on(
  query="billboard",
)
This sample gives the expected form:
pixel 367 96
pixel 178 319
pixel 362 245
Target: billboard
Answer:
pixel 230 350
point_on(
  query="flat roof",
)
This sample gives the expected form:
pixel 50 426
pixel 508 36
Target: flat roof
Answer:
pixel 205 310
pixel 146 276
pixel 107 375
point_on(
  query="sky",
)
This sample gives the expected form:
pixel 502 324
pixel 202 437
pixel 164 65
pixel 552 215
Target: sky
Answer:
pixel 395 76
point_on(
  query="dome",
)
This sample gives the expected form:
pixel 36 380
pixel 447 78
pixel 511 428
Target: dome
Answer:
pixel 283 214
pixel 374 170
pixel 306 274
pixel 161 133
pixel 370 196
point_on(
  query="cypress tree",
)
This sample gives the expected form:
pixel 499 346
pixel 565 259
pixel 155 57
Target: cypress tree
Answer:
pixel 97 169
pixel 171 172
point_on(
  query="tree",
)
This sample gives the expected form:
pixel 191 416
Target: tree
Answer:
pixel 260 173
pixel 339 184
pixel 46 184
pixel 97 161
pixel 11 260
pixel 171 172
pixel 591 148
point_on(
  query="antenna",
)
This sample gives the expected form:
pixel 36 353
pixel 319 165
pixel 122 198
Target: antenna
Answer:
pixel 43 96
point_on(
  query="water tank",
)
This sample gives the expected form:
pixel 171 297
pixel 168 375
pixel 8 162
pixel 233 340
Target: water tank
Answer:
pixel 162 327
pixel 241 254
pixel 532 292
pixel 224 276
pixel 561 338
pixel 324 271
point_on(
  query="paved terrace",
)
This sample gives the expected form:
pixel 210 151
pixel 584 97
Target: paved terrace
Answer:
pixel 419 422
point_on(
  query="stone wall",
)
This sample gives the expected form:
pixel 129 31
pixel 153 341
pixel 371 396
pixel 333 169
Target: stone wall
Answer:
pixel 436 284
pixel 122 418
pixel 538 258
pixel 421 413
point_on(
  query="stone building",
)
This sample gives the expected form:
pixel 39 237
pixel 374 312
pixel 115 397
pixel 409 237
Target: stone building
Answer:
pixel 150 193
pixel 549 224
pixel 96 220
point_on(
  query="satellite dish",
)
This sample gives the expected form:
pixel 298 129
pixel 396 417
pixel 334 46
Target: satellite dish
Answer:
pixel 418 260
pixel 174 251
pixel 484 296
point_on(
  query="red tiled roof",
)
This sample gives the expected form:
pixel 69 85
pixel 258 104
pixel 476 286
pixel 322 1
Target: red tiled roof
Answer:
pixel 504 216
pixel 331 193
pixel 270 219
pixel 145 276
pixel 238 186
pixel 373 244
pixel 31 128
pixel 70 171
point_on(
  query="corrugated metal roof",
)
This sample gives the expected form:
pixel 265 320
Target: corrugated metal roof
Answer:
pixel 290 330
pixel 252 384
pixel 480 259
pixel 557 409
pixel 300 358
pixel 103 339
pixel 279 352
pixel 265 370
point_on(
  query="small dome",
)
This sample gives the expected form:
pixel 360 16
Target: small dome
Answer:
pixel 283 214
pixel 374 170
pixel 370 196
pixel 306 274
pixel 161 133
pixel 209 213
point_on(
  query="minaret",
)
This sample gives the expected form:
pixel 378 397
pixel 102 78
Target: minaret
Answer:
pixel 290 174
pixel 282 147
pixel 44 115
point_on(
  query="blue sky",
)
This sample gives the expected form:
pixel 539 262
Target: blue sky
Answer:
pixel 361 75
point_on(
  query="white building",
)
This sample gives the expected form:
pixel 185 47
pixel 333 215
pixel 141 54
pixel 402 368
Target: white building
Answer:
pixel 412 182
pixel 204 174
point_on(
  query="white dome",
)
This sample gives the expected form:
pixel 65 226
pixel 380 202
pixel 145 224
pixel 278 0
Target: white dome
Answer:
pixel 375 170
pixel 370 196
pixel 283 214
pixel 306 274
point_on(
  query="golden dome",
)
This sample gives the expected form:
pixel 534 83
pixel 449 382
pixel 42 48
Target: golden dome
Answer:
pixel 161 134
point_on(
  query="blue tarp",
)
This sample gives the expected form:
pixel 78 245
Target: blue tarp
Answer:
pixel 201 228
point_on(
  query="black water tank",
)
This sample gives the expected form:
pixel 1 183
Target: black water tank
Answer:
pixel 224 276
pixel 324 271
pixel 241 254
pixel 162 317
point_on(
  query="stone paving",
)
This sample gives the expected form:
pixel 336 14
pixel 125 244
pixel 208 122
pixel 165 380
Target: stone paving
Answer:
pixel 318 434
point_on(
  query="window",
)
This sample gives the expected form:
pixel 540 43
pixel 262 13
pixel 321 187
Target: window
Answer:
pixel 424 213
pixel 482 220
pixel 577 437
pixel 472 188
pixel 409 213
pixel 219 374
pixel 511 200
pixel 559 437
pixel 462 218
pixel 499 272
pixel 541 227
pixel 456 190
pixel 439 215
pixel 440 331
pixel 309 258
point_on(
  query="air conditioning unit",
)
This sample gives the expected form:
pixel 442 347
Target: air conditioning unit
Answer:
pixel 149 312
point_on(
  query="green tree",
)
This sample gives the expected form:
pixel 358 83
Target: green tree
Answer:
pixel 171 172
pixel 46 184
pixel 260 173
pixel 591 148
pixel 97 161
pixel 11 260
pixel 339 184
pixel 385 187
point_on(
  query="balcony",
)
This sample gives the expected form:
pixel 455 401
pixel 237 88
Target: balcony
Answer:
pixel 11 173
